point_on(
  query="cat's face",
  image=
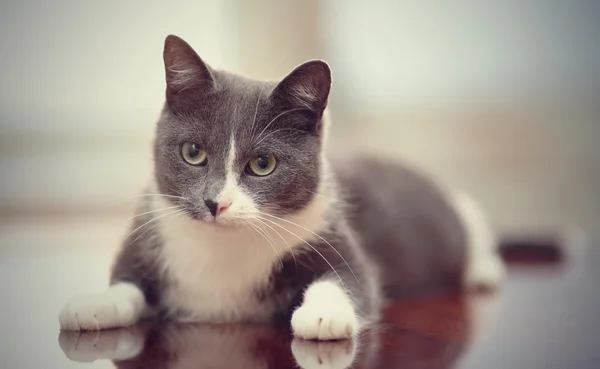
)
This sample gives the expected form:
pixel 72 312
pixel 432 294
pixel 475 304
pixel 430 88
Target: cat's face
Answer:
pixel 231 148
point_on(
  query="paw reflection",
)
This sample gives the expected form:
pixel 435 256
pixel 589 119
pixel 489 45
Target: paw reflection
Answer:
pixel 323 355
pixel 118 344
pixel 173 346
pixel 185 346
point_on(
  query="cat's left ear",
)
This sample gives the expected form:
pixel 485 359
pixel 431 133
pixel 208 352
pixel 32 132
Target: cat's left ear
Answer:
pixel 307 86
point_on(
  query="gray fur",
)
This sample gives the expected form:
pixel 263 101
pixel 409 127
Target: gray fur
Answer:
pixel 406 225
pixel 396 225
pixel 212 119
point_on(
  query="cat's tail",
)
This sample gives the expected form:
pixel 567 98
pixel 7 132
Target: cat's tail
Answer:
pixel 484 267
pixel 489 252
pixel 542 247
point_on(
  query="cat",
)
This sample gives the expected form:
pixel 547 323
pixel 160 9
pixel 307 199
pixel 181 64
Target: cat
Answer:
pixel 249 219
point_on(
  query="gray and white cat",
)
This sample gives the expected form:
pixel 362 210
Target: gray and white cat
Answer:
pixel 249 219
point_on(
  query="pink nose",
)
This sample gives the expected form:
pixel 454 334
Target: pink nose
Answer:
pixel 221 207
pixel 216 208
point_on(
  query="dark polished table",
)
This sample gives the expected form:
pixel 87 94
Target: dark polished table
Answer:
pixel 547 315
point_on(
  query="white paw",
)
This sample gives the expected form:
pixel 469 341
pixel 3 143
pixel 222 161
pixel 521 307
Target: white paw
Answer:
pixel 119 306
pixel 326 314
pixel 486 272
pixel 323 355
pixel 324 321
pixel 118 345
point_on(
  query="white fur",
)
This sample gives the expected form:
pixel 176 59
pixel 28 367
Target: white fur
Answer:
pixel 305 94
pixel 213 268
pixel 184 75
pixel 216 268
pixel 484 265
pixel 327 313
pixel 323 355
pixel 120 305
pixel 231 177
pixel 239 201
pixel 183 78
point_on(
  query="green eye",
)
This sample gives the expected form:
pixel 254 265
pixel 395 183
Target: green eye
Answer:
pixel 262 165
pixel 192 154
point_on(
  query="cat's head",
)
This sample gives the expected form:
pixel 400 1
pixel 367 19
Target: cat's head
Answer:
pixel 232 147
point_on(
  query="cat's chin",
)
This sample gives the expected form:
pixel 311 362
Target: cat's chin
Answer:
pixel 217 223
pixel 222 223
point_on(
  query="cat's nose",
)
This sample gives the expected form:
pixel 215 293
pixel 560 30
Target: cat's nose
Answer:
pixel 216 208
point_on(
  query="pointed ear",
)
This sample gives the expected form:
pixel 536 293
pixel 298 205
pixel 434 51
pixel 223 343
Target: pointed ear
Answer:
pixel 184 69
pixel 306 86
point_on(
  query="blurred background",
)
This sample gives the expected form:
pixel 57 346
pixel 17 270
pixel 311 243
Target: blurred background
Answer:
pixel 500 99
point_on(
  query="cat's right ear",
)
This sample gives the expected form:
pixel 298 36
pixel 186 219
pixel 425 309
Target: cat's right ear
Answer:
pixel 184 69
pixel 307 86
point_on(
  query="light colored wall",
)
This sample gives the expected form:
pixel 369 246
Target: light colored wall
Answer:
pixel 423 51
pixel 275 36
pixel 81 86
pixel 500 99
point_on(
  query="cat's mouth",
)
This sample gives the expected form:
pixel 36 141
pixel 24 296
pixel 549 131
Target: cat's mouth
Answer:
pixel 222 221
pixel 231 218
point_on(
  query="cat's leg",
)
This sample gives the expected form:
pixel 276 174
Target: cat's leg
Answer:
pixel 121 305
pixel 327 313
pixel 134 288
pixel 341 300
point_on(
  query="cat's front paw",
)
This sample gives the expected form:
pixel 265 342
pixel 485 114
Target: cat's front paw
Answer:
pixel 323 355
pixel 324 321
pixel 119 344
pixel 119 306
pixel 95 312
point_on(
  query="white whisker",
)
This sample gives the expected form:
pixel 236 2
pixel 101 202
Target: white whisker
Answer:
pixel 245 222
pixel 256 109
pixel 277 117
pixel 144 195
pixel 309 245
pixel 263 234
pixel 175 192
pixel 153 211
pixel 324 196
pixel 318 236
pixel 265 231
pixel 153 226
pixel 148 222
pixel 276 131
pixel 282 238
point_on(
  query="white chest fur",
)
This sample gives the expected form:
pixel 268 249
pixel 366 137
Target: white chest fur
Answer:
pixel 216 271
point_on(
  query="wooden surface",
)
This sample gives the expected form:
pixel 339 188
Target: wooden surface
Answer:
pixel 547 316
